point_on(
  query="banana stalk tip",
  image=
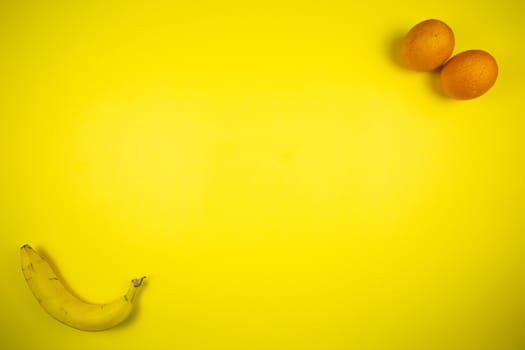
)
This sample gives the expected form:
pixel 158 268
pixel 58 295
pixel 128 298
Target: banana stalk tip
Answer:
pixel 137 281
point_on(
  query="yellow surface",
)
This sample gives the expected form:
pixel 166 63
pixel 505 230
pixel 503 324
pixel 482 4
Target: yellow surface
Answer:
pixel 283 181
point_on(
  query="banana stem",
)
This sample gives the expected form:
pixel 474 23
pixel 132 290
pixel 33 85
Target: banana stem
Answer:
pixel 136 283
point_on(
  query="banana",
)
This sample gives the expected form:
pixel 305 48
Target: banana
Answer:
pixel 66 307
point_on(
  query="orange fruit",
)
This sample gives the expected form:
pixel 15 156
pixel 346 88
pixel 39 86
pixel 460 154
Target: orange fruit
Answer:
pixel 427 45
pixel 469 74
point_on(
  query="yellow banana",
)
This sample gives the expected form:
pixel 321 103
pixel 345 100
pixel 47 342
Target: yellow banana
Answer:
pixel 66 307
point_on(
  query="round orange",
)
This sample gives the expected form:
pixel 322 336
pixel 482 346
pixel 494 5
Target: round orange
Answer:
pixel 469 74
pixel 427 45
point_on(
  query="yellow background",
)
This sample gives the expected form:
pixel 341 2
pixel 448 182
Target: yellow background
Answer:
pixel 282 180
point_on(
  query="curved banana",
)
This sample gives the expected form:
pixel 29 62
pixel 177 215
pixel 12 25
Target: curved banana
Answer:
pixel 66 307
